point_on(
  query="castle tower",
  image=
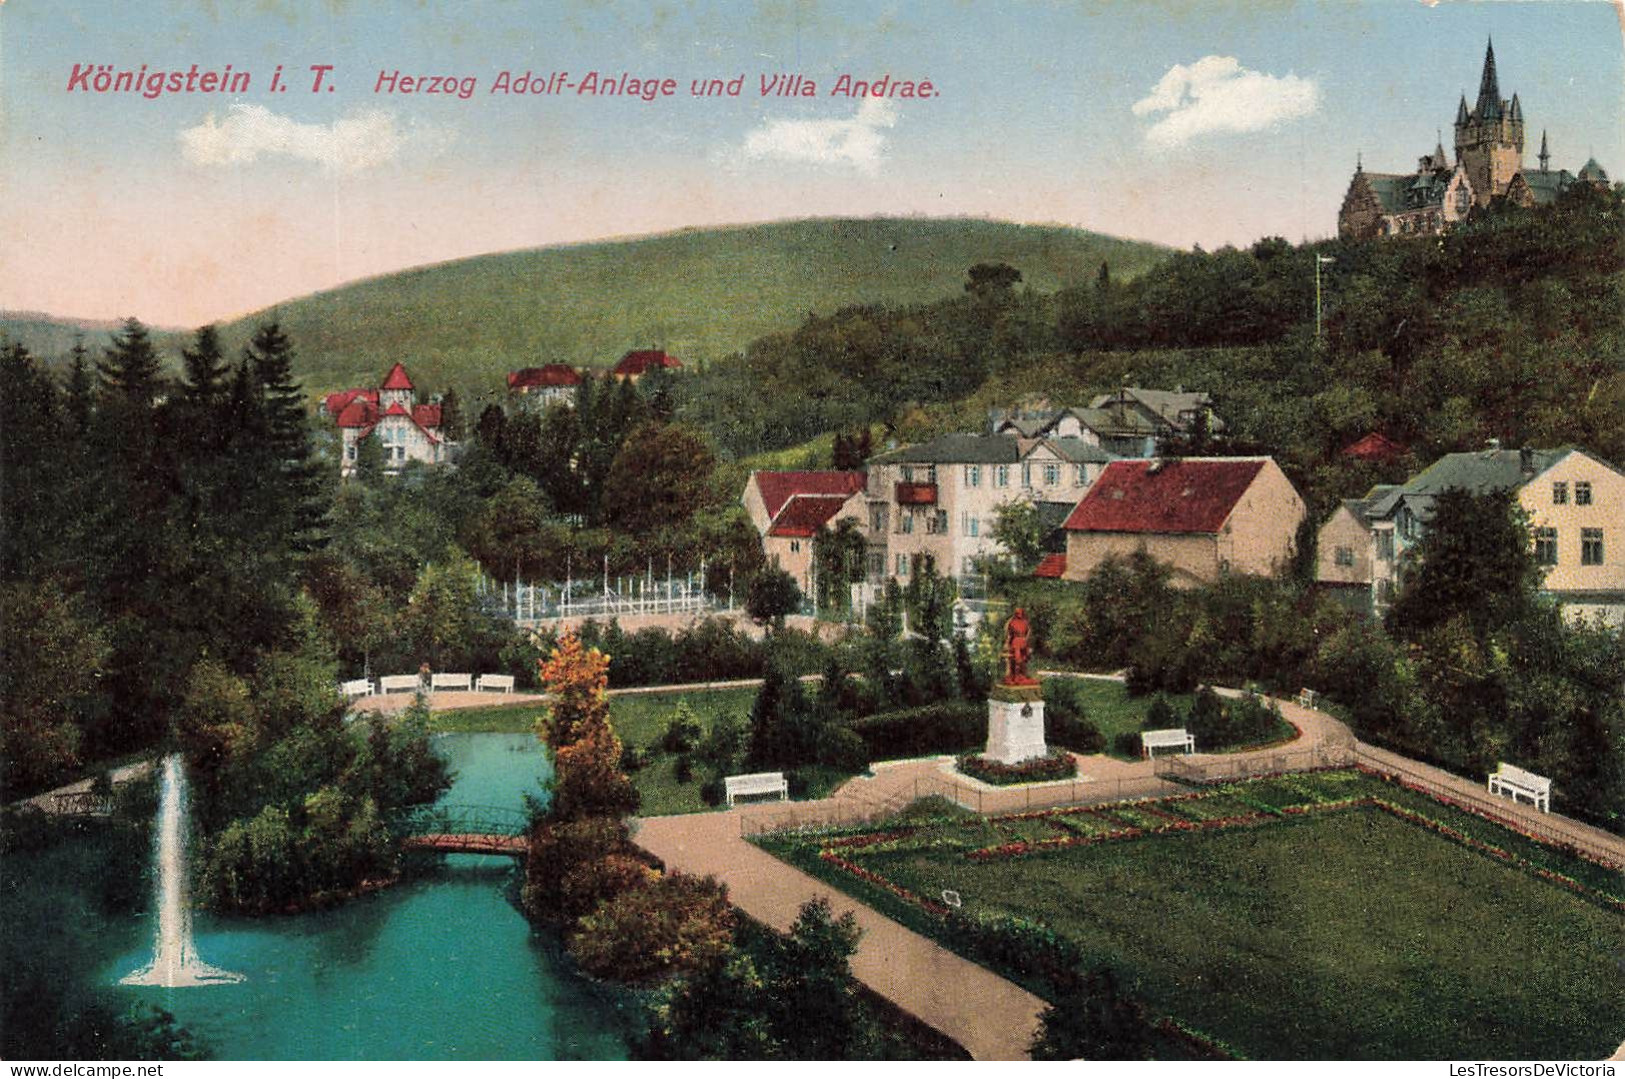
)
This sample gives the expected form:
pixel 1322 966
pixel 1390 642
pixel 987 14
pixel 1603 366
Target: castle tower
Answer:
pixel 1489 140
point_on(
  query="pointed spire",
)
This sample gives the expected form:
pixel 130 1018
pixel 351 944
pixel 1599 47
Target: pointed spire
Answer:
pixel 1545 154
pixel 1359 164
pixel 1516 112
pixel 1461 111
pixel 1440 161
pixel 1489 87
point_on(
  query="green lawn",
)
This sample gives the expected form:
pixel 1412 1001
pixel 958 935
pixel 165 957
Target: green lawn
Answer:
pixel 1345 934
pixel 640 719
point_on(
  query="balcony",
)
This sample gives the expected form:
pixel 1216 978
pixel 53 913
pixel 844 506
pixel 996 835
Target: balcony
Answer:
pixel 916 494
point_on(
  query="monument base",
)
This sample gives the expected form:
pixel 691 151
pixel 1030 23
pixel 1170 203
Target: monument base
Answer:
pixel 1015 724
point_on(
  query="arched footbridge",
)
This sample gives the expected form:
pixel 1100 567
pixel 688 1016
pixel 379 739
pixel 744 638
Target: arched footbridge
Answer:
pixel 464 829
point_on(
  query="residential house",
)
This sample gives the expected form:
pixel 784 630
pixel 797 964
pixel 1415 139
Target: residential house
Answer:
pixel 1204 517
pixel 789 508
pixel 1120 431
pixel 1172 413
pixel 1346 550
pixel 938 501
pixel 1577 523
pixel 634 365
pixel 408 431
pixel 552 383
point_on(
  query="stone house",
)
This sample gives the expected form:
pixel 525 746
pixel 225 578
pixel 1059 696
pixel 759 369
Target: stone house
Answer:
pixel 552 383
pixel 1204 517
pixel 408 431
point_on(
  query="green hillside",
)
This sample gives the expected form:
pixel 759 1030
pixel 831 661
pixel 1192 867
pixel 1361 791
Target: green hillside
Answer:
pixel 700 294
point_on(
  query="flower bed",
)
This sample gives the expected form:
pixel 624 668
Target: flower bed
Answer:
pixel 1057 765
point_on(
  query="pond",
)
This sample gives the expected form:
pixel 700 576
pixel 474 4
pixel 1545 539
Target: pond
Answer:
pixel 440 967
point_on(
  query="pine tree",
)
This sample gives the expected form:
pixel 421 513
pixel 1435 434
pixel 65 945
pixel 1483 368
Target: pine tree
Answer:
pixel 81 401
pixel 301 513
pixel 129 370
pixel 206 369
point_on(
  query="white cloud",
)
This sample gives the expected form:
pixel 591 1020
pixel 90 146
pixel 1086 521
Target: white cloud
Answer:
pixel 363 139
pixel 1217 94
pixel 858 142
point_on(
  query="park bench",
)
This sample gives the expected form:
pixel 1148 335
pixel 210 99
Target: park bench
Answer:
pixel 398 683
pixel 1173 737
pixel 452 681
pixel 756 783
pixel 1307 697
pixel 359 687
pixel 1511 780
pixel 494 683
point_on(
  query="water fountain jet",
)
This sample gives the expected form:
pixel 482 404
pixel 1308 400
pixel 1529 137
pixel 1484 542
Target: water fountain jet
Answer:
pixel 174 955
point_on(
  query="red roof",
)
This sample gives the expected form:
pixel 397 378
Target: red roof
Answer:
pixel 638 362
pixel 1375 447
pixel 397 379
pixel 804 515
pixel 360 412
pixel 335 403
pixel 426 416
pixel 1051 565
pixel 553 374
pixel 779 487
pixel 1181 495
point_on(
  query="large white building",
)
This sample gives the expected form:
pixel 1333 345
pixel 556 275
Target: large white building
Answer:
pixel 408 432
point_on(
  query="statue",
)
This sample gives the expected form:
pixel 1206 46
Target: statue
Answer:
pixel 1017 651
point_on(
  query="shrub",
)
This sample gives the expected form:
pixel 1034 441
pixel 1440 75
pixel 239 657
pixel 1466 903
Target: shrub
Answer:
pixel 1056 765
pixel 712 791
pixel 556 849
pixel 670 924
pixel 1160 715
pixel 945 727
pixel 634 759
pixel 842 749
pixel 1126 744
pixel 1078 735
pixel 684 771
pixel 683 731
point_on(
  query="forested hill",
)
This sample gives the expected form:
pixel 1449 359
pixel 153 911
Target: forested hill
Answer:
pixel 699 293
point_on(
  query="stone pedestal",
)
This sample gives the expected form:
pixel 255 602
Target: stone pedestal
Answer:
pixel 1015 724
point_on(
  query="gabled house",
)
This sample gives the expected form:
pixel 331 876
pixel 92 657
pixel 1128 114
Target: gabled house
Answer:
pixel 789 508
pixel 552 383
pixel 1576 508
pixel 408 431
pixel 938 501
pixel 1204 517
pixel 634 365
pixel 1171 412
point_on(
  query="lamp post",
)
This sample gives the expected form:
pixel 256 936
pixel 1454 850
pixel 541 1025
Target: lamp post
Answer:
pixel 1320 260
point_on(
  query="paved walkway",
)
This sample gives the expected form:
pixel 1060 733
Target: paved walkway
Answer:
pixel 993 1019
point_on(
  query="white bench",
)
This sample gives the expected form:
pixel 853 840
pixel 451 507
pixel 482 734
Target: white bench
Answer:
pixel 756 783
pixel 451 681
pixel 1173 737
pixel 398 683
pixel 494 683
pixel 1511 780
pixel 359 687
pixel 1307 697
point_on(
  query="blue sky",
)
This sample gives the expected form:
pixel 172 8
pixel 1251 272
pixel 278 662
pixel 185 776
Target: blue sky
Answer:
pixel 1182 123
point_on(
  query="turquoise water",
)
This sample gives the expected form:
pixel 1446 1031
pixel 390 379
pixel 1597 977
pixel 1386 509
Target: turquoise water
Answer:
pixel 441 967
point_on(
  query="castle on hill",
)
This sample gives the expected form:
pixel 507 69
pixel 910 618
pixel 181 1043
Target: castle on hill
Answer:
pixel 1488 168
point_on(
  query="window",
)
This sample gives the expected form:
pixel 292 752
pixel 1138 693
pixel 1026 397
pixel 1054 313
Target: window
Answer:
pixel 1385 590
pixel 973 475
pixel 1546 546
pixel 1407 524
pixel 1001 476
pixel 877 518
pixel 902 565
pixel 877 563
pixel 937 523
pixel 1343 556
pixel 1052 475
pixel 968 566
pixel 973 527
pixel 1582 493
pixel 907 473
pixel 1385 546
pixel 795 546
pixel 1560 494
pixel 350 451
pixel 1026 474
pixel 1079 476
pixel 1590 546
pixel 905 522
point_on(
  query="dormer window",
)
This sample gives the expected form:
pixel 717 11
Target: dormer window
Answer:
pixel 1560 494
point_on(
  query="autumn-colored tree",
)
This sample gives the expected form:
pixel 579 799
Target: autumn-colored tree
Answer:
pixel 587 776
pixel 675 923
pixel 577 680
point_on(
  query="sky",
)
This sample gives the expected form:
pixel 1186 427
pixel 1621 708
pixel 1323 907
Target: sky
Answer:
pixel 1183 122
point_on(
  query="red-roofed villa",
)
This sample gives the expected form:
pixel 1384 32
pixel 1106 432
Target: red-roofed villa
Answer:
pixel 1204 517
pixel 634 365
pixel 545 385
pixel 788 509
pixel 408 432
